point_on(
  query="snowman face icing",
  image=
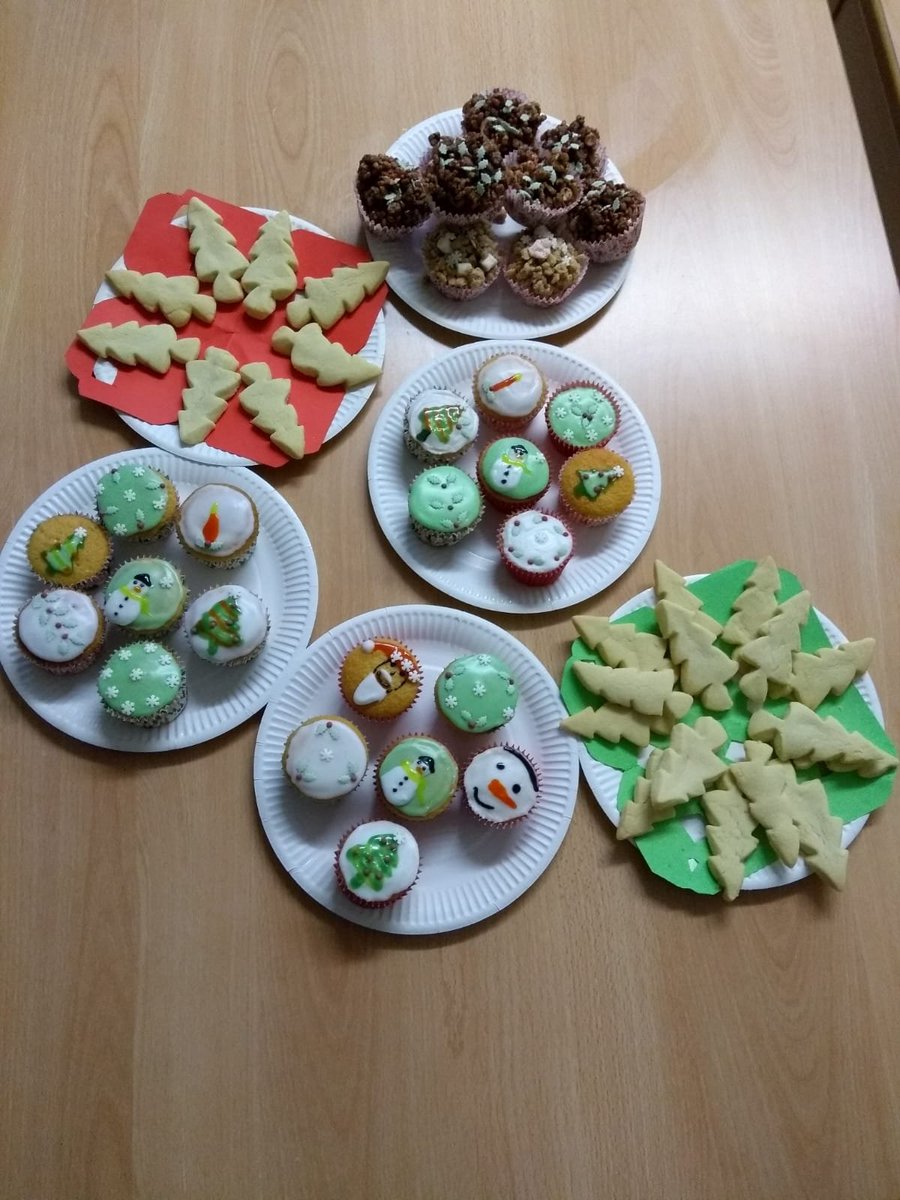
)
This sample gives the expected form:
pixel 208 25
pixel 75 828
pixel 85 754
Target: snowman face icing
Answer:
pixel 500 785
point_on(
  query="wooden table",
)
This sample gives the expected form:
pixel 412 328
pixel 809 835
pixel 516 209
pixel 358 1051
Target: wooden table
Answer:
pixel 178 1019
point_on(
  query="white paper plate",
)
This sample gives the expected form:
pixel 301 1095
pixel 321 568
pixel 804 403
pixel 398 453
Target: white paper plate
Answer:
pixel 282 571
pixel 471 571
pixel 469 872
pixel 167 437
pixel 604 781
pixel 499 313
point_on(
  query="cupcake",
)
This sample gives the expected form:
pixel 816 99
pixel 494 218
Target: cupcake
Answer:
pixel 596 485
pixel 505 116
pixel 376 863
pixel 509 391
pixel 218 525
pixel 227 626
pixel 501 786
pixel 136 503
pixel 540 189
pixel 145 595
pixel 461 263
pixel 543 268
pixel 606 222
pixel 60 630
pixel 143 684
pixel 535 546
pixel 513 473
pixel 417 777
pixel 71 551
pixel 476 693
pixel 391 198
pixel 581 415
pixel 581 145
pixel 463 176
pixel 380 678
pixel 325 758
pixel 445 505
pixel 439 426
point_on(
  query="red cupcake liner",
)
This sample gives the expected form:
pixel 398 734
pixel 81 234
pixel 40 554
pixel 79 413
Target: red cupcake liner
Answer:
pixel 532 578
pixel 345 891
pixel 514 821
pixel 567 448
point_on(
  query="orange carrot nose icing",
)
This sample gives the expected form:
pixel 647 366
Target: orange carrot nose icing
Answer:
pixel 496 788
pixel 210 530
pixel 505 383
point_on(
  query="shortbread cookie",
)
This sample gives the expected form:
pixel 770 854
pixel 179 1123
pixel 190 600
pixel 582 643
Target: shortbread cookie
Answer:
pixel 762 779
pixel 829 671
pixel 669 585
pixel 272 273
pixel 755 605
pixel 644 691
pixel 217 259
pixel 638 815
pixel 621 644
pixel 177 297
pixel 729 832
pixel 804 738
pixel 704 669
pixel 311 353
pixel 212 381
pixel 689 763
pixel 266 399
pixel 615 723
pixel 153 346
pixel 769 658
pixel 326 300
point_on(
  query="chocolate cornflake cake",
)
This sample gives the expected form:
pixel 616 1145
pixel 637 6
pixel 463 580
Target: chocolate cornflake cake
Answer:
pixel 505 116
pixel 541 187
pixel 606 222
pixel 581 145
pixel 392 198
pixel 464 176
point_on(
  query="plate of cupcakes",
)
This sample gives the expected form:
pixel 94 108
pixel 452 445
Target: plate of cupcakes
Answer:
pixel 514 476
pixel 409 774
pixel 149 603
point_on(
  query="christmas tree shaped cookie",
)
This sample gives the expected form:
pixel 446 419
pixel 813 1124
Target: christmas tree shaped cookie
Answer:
pixel 644 691
pixel 669 585
pixel 311 353
pixel 266 399
pixel 326 300
pixel 689 763
pixel 704 669
pixel 621 645
pixel 638 815
pixel 803 737
pixel 729 832
pixel 755 605
pixel 616 723
pixel 217 259
pixel 829 671
pixel 177 297
pixel 763 780
pixel 212 381
pixel 153 346
pixel 769 658
pixel 272 273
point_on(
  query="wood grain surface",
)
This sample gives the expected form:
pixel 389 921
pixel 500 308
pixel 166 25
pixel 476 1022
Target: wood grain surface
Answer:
pixel 177 1019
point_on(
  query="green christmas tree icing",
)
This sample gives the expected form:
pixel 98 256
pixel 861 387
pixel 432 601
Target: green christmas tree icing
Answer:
pixel 61 557
pixel 374 861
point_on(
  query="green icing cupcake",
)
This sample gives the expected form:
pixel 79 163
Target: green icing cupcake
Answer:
pixel 145 595
pixel 137 503
pixel 476 693
pixel 444 505
pixel 417 777
pixel 143 684
pixel 513 473
pixel 581 416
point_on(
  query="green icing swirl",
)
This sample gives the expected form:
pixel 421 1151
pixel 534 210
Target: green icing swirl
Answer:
pixel 477 693
pixel 582 416
pixel 131 499
pixel 444 499
pixel 515 468
pixel 140 680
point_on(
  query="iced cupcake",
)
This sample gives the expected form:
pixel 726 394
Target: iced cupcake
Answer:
pixel 581 415
pixel 445 505
pixel 136 503
pixel 463 176
pixel 218 525
pixel 461 263
pixel 380 678
pixel 70 550
pixel 439 426
pixel 476 693
pixel 505 116
pixel 606 223
pixel 501 786
pixel 145 596
pixel 227 626
pixel 543 268
pixel 513 473
pixel 60 630
pixel 376 863
pixel 535 546
pixel 325 758
pixel 417 777
pixel 391 198
pixel 509 391
pixel 541 189
pixel 143 684
pixel 595 486
pixel 581 145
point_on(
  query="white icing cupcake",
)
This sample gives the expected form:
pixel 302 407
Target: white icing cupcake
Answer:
pixel 227 626
pixel 325 758
pixel 501 785
pixel 376 863
pixel 535 546
pixel 60 630
pixel 509 390
pixel 218 525
pixel 439 426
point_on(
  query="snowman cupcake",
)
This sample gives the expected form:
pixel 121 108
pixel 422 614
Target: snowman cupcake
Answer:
pixel 501 786
pixel 513 473
pixel 417 777
pixel 145 595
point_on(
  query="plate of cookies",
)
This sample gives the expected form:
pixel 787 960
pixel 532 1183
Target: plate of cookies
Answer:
pixel 410 775
pixel 729 729
pixel 546 188
pixel 514 476
pixel 150 603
